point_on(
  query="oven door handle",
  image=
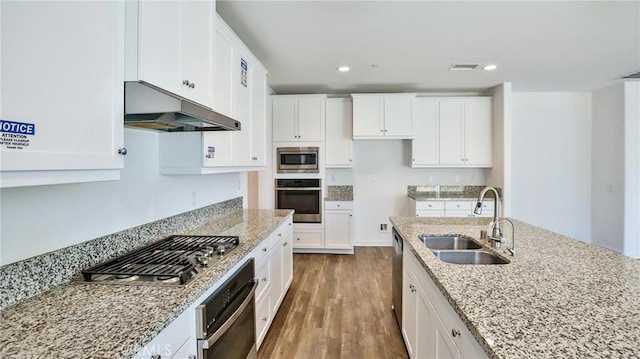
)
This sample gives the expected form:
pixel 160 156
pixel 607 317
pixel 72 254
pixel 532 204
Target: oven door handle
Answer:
pixel 298 188
pixel 209 342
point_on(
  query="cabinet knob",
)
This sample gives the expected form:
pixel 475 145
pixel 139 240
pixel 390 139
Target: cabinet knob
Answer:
pixel 337 205
pixel 385 130
pixel 349 159
pixel 285 244
pixel 264 319
pixel 254 158
pixel 264 279
pixel 122 151
pixel 264 249
pixel 186 82
pixel 455 333
pixel 414 160
pixel 297 239
pixel 192 85
pixel 192 356
pixel 381 130
pixel 413 289
pixel 156 356
pixel 279 234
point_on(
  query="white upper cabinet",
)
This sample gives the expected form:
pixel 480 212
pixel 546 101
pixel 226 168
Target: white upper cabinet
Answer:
pixel 382 116
pixel 339 143
pixel 425 146
pixel 466 132
pixel 452 132
pixel 238 91
pixel 169 44
pixel 61 103
pixel 298 118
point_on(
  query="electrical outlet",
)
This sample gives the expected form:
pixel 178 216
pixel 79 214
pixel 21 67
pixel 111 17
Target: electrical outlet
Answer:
pixel 457 178
pixel 383 227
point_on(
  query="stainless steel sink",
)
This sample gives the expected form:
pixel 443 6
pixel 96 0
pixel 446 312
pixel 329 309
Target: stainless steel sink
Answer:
pixel 449 242
pixel 470 257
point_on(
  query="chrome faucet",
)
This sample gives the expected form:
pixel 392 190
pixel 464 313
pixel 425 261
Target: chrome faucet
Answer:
pixel 512 249
pixel 496 233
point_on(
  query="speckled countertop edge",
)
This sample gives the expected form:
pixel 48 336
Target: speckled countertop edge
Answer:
pixel 557 298
pixel 82 320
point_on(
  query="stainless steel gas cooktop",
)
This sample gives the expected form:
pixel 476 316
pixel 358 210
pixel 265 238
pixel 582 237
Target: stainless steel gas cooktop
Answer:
pixel 170 261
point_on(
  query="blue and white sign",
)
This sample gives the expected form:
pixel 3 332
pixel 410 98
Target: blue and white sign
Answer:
pixel 243 72
pixel 17 127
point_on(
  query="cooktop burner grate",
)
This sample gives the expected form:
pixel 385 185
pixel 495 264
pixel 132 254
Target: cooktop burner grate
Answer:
pixel 173 260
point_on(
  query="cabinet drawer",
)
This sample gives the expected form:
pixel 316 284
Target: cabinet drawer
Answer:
pixel 263 275
pixel 262 249
pixel 430 205
pixel 263 318
pixel 308 239
pixel 430 213
pixel 338 205
pixel 460 205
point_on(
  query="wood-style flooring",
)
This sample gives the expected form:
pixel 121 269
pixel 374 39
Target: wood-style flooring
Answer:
pixel 338 306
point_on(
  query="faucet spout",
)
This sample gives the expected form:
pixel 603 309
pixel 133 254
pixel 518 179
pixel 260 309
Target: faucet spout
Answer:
pixel 496 232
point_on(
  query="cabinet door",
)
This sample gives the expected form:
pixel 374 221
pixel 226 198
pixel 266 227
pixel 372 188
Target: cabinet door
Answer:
pixel 451 122
pixel 195 48
pixel 426 328
pixel 242 109
pixel 445 347
pixel 409 314
pixel 368 116
pixel 62 71
pixel 478 131
pixel 287 260
pixel 398 117
pixel 337 233
pixel 339 147
pixel 217 148
pixel 285 118
pixel 311 118
pixel 258 80
pixel 159 36
pixel 277 278
pixel 425 146
pixel 308 239
pixel 223 61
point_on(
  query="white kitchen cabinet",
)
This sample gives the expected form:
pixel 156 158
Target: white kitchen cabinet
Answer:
pixel 171 339
pixel 382 116
pixel 339 141
pixel 311 238
pixel 239 91
pixel 452 132
pixel 425 148
pixel 430 326
pixel 465 132
pixel 62 72
pixel 448 208
pixel 338 231
pixel 169 44
pixel 298 118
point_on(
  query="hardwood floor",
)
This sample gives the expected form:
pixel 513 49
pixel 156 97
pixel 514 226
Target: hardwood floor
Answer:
pixel 338 306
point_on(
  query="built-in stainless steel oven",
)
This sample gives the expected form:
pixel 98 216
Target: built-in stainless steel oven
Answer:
pixel 225 321
pixel 297 159
pixel 302 195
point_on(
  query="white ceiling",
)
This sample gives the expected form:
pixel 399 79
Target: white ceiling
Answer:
pixel 538 45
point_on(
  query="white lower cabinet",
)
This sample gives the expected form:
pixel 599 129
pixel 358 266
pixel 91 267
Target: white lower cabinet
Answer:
pixel 338 230
pixel 430 327
pixel 313 239
pixel 448 208
pixel 275 256
pixel 173 340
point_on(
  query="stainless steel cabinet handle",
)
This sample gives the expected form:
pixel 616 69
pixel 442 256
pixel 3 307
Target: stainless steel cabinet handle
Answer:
pixel 122 151
pixel 455 333
pixel 192 85
pixel 381 130
pixel 413 289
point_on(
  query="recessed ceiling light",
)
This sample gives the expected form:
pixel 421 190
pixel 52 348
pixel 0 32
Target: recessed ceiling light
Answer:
pixel 490 67
pixel 343 68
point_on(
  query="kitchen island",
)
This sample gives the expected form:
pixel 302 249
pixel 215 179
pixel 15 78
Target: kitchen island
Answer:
pixel 558 298
pixel 86 320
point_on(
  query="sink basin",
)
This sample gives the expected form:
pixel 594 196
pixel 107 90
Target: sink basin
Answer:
pixel 449 242
pixel 470 257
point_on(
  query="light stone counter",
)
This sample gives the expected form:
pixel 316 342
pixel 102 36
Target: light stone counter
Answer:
pixel 84 320
pixel 558 298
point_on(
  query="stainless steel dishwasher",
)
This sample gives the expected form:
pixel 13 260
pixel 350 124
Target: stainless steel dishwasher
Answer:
pixel 396 277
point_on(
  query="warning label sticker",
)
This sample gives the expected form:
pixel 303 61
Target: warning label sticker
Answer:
pixel 16 135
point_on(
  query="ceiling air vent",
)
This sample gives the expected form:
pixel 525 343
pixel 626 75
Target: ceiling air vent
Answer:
pixel 463 67
pixel 632 76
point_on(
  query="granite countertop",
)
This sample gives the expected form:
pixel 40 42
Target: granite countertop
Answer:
pixel 83 320
pixel 557 298
pixel 427 196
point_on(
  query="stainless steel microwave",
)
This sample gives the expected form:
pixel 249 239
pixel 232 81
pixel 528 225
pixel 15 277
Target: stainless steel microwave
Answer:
pixel 298 159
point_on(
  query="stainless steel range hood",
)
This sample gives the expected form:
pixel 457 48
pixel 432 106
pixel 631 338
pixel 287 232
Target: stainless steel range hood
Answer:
pixel 151 107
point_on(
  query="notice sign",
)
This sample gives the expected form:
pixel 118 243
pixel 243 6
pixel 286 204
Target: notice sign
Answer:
pixel 16 135
pixel 243 72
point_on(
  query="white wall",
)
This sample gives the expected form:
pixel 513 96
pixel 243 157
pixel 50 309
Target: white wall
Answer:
pixel 607 173
pixel 632 169
pixel 500 174
pixel 551 158
pixel 37 220
pixel 375 200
